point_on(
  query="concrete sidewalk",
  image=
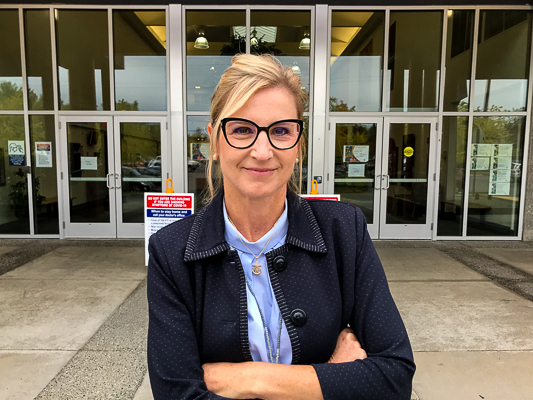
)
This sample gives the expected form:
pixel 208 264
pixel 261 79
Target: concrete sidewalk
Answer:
pixel 74 316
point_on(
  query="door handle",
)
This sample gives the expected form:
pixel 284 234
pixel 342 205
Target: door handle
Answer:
pixel 107 181
pixel 388 181
pixel 377 182
pixel 117 178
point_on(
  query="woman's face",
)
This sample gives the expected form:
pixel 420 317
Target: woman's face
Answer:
pixel 260 171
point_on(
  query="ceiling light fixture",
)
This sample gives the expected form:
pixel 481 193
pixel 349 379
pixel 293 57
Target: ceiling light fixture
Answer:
pixel 201 42
pixel 305 43
pixel 253 40
pixel 296 69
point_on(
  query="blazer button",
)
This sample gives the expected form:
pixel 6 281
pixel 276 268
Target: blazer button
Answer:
pixel 280 263
pixel 298 317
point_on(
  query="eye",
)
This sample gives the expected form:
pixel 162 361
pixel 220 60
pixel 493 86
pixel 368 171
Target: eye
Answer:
pixel 242 130
pixel 280 131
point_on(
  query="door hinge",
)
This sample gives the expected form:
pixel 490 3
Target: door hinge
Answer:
pixel 166 125
pixel 59 124
pixel 437 126
pixel 63 224
pixel 329 126
pixel 61 175
pixel 327 176
pixel 434 177
pixel 432 226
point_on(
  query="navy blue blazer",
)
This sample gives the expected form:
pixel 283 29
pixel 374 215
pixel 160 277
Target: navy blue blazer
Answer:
pixel 326 276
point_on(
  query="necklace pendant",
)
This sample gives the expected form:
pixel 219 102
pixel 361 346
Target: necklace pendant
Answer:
pixel 256 268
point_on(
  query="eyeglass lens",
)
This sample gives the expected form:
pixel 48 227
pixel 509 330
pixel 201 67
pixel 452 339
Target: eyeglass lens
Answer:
pixel 283 135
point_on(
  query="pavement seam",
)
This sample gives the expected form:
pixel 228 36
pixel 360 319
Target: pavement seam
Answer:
pixel 72 382
pixel 500 273
pixel 24 254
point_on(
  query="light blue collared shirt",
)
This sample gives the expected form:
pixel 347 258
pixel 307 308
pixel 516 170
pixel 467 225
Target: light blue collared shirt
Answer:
pixel 263 291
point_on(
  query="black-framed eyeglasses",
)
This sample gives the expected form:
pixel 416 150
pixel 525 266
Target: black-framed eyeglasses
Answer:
pixel 242 133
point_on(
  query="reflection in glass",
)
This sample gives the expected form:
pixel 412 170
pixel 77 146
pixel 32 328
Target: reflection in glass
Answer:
pixel 205 66
pixel 452 176
pixel 356 61
pixel 504 36
pixel 83 59
pixel 10 65
pixel 408 156
pixel 305 160
pixel 495 176
pixel 88 170
pixel 139 44
pixel 414 60
pixel 355 165
pixel 14 210
pixel 281 33
pixel 198 153
pixel 458 60
pixel 38 59
pixel 44 174
pixel 140 152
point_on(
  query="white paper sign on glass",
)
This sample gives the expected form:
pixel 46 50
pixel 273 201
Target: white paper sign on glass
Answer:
pixel 43 155
pixel 481 150
pixel 500 175
pixel 89 163
pixel 356 170
pixel 200 151
pixel 502 150
pixel 501 163
pixel 500 188
pixel 479 163
pixel 354 153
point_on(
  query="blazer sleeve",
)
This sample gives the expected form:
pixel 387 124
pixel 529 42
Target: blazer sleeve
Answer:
pixel 173 357
pixel 387 372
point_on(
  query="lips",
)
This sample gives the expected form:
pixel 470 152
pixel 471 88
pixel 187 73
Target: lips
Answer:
pixel 260 171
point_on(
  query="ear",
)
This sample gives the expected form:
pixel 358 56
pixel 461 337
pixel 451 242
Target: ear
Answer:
pixel 209 129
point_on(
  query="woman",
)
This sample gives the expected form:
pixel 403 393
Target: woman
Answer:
pixel 251 297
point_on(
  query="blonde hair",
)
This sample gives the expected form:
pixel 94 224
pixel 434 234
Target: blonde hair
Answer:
pixel 246 76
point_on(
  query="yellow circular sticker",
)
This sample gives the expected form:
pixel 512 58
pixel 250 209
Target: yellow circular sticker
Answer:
pixel 408 151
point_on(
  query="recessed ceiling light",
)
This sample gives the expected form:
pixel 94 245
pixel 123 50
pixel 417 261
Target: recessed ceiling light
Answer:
pixel 197 87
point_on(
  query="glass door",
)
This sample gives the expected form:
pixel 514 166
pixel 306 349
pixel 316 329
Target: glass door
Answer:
pixel 357 163
pixel 407 178
pixel 140 167
pixel 384 167
pixel 108 165
pixel 88 177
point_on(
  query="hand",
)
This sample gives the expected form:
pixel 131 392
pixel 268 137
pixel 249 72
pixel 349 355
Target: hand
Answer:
pixel 226 379
pixel 348 348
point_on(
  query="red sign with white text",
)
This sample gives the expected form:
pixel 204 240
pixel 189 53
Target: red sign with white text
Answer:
pixel 155 201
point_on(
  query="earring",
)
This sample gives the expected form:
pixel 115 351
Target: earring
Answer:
pixel 297 159
pixel 215 156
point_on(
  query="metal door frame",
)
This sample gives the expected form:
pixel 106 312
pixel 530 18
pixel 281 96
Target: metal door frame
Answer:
pixel 136 230
pixel 78 229
pixel 373 228
pixel 409 231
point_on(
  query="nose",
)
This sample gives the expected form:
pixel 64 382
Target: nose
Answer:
pixel 262 149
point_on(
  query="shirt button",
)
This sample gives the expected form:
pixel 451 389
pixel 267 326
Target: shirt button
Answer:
pixel 280 263
pixel 298 317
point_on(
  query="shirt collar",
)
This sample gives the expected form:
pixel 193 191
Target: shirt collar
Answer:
pixel 207 234
pixel 272 237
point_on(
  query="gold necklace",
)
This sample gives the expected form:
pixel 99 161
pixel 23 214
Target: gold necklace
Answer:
pixel 257 266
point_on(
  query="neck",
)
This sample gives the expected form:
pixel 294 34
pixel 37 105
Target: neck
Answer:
pixel 254 217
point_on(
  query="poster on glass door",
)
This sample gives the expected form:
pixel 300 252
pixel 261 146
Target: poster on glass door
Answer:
pixel 162 209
